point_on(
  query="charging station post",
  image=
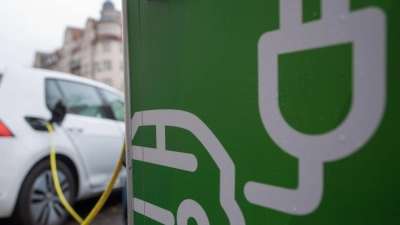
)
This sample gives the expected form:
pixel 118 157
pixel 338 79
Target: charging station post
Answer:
pixel 262 112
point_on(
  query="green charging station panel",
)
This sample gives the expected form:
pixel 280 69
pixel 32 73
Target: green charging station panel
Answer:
pixel 263 112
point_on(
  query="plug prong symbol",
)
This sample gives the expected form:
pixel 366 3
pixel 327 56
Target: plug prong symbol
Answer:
pixel 365 29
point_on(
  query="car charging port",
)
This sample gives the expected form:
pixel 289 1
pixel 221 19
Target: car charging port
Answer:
pixel 37 123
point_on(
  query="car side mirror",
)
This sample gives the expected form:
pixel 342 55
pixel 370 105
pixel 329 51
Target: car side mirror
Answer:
pixel 58 113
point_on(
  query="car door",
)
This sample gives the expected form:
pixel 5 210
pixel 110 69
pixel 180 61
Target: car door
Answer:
pixel 91 128
pixel 117 107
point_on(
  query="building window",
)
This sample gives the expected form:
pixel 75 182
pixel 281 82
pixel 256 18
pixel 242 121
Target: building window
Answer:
pixel 108 81
pixel 122 66
pixel 106 47
pixel 107 65
pixel 85 69
pixel 97 67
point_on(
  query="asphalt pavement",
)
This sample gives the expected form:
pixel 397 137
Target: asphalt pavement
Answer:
pixel 110 214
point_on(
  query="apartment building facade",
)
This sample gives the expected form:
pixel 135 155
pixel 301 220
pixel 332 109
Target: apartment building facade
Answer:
pixel 95 52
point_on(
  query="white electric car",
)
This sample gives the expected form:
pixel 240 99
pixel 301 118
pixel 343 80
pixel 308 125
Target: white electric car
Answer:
pixel 88 142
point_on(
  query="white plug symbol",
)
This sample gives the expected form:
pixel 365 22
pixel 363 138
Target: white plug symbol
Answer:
pixel 366 30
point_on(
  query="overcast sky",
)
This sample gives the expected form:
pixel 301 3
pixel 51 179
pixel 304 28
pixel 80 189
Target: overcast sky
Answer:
pixel 30 25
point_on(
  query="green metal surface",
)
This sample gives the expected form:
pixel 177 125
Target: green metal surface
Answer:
pixel 201 57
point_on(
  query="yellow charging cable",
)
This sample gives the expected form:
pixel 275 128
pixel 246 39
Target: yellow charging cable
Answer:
pixel 60 194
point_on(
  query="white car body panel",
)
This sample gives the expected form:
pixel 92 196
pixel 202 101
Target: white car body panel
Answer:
pixel 95 136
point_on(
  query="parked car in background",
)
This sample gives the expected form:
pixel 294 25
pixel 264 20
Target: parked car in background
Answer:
pixel 88 142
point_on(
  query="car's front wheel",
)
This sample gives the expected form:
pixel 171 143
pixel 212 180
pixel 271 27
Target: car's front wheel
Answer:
pixel 38 203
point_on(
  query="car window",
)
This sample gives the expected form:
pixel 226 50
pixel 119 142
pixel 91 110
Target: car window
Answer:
pixel 53 94
pixel 116 104
pixel 82 99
